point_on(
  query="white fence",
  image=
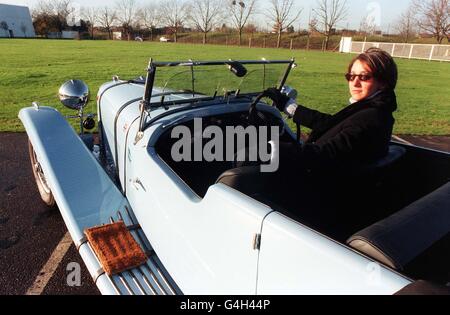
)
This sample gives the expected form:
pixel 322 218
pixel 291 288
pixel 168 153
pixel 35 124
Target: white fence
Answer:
pixel 410 51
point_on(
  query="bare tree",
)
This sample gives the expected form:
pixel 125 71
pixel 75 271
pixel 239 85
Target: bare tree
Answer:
pixel 240 13
pixel 433 18
pixel 61 9
pixel 150 16
pixel 406 24
pixel 90 15
pixel 327 15
pixel 106 19
pixel 174 14
pixel 205 15
pixel 126 15
pixel 43 7
pixel 367 25
pixel 281 17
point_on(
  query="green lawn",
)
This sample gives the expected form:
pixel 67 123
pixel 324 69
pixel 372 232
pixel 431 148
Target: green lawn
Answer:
pixel 33 70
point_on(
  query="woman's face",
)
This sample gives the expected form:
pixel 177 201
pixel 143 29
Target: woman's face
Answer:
pixel 361 89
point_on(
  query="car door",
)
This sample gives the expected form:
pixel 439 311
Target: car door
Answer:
pixel 207 245
pixel 297 260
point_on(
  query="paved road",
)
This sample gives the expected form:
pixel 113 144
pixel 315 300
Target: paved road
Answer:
pixel 30 232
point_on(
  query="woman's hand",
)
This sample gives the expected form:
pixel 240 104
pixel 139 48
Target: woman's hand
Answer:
pixel 283 102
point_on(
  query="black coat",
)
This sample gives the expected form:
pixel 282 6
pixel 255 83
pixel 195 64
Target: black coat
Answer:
pixel 360 133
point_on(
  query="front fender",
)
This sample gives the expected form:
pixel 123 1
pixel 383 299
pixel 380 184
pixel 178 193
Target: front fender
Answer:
pixel 84 193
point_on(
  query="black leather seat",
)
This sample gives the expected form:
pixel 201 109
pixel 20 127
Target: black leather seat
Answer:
pixel 402 237
pixel 247 179
pixel 250 179
pixel 395 153
pixel 316 201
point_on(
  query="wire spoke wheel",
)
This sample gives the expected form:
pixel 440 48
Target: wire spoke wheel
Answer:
pixel 40 178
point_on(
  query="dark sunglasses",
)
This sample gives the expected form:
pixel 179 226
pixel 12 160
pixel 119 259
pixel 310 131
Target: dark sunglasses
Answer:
pixel 362 77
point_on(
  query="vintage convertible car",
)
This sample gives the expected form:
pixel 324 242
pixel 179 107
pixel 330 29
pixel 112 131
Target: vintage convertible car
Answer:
pixel 216 226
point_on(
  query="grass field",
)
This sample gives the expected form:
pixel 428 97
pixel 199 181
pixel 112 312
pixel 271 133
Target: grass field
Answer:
pixel 33 70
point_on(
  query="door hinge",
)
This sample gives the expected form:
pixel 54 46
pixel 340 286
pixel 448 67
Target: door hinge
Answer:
pixel 257 242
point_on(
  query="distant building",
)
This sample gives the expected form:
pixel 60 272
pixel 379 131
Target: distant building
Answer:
pixel 64 35
pixel 117 35
pixel 15 21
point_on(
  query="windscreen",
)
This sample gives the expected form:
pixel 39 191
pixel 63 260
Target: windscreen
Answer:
pixel 196 81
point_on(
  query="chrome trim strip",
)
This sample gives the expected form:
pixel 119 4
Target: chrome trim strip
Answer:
pixel 161 275
pixel 115 131
pixel 125 283
pixel 125 157
pixel 136 281
pixel 97 274
pixel 147 282
pixel 155 279
pixel 80 242
pixel 174 121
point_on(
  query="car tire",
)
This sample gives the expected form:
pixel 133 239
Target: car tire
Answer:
pixel 39 177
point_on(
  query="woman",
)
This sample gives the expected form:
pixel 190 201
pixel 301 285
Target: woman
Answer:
pixel 358 134
pixel 317 178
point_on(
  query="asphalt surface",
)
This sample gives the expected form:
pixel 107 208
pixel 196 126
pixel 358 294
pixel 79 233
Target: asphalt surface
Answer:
pixel 30 231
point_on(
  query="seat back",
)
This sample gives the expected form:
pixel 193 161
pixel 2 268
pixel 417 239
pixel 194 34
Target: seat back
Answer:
pixel 247 179
pixel 395 153
pixel 403 236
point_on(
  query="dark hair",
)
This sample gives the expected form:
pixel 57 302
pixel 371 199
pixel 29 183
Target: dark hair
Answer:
pixel 381 64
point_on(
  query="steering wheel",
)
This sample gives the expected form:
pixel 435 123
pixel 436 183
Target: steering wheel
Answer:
pixel 258 118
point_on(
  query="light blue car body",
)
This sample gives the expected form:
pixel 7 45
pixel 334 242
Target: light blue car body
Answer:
pixel 195 245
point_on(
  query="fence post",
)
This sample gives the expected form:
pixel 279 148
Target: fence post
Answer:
pixel 410 52
pixel 431 53
pixel 363 47
pixel 290 47
pixel 393 50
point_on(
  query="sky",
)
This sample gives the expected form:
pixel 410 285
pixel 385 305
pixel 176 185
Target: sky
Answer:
pixel 384 12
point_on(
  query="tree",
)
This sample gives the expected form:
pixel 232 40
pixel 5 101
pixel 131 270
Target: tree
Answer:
pixel 150 17
pixel 280 15
pixel 174 14
pixel 126 15
pixel 433 18
pixel 90 15
pixel 44 23
pixel 52 15
pixel 405 25
pixel 205 15
pixel 63 8
pixel 367 25
pixel 327 15
pixel 240 13
pixel 106 19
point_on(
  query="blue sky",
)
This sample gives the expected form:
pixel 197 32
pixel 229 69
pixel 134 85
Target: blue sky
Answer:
pixel 385 12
